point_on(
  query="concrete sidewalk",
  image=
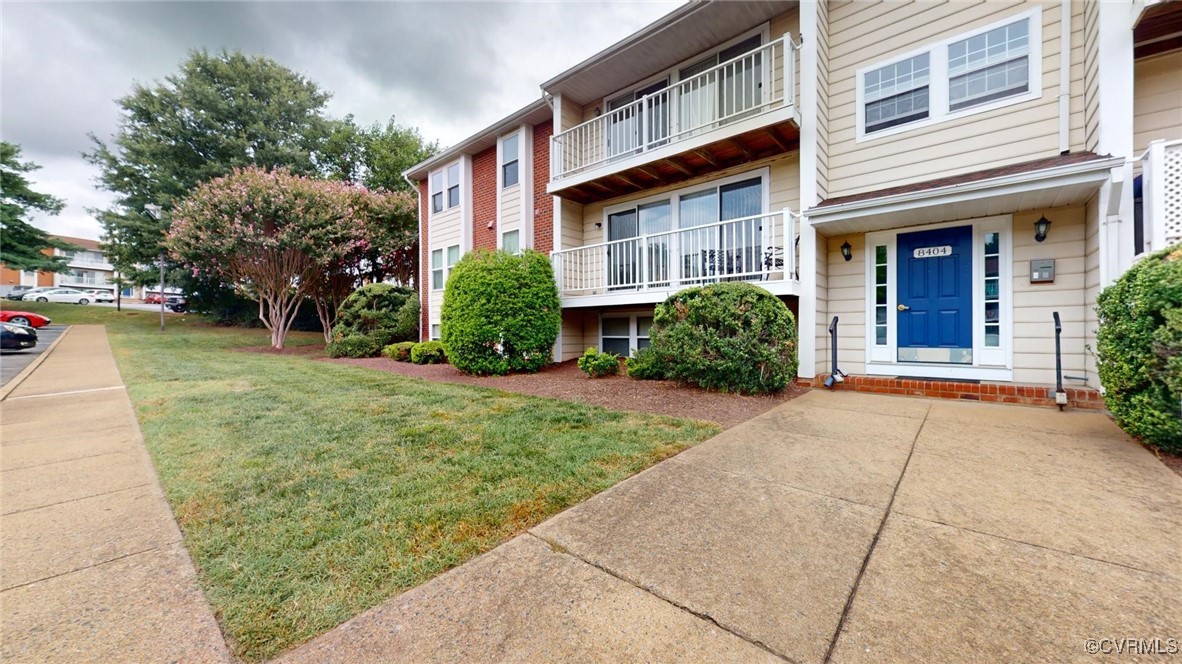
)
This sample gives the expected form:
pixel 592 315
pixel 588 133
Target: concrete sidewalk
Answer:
pixel 838 527
pixel 92 568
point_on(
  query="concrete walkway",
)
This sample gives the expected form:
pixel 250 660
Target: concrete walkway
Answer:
pixel 838 527
pixel 92 568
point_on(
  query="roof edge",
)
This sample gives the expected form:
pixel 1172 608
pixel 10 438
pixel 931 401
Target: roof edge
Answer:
pixel 647 31
pixel 419 170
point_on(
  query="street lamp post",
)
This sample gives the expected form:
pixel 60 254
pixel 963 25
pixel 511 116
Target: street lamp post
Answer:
pixel 154 212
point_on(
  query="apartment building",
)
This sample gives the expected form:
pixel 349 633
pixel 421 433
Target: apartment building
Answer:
pixel 88 269
pixel 933 181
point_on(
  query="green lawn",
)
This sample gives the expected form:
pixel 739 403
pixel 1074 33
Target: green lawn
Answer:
pixel 310 491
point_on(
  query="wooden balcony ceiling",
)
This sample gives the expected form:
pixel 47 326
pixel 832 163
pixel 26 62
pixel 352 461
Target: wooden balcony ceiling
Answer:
pixel 733 151
pixel 1158 30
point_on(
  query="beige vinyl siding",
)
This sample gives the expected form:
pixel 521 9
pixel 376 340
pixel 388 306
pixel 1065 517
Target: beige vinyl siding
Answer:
pixel 445 230
pixel 861 36
pixel 822 101
pixel 1034 328
pixel 580 329
pixel 1091 286
pixel 572 114
pixel 787 23
pixel 1157 99
pixel 511 208
pixel 572 225
pixel 847 301
pixel 821 359
pixel 1091 74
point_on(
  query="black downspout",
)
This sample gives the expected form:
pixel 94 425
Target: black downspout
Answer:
pixel 835 375
pixel 1060 394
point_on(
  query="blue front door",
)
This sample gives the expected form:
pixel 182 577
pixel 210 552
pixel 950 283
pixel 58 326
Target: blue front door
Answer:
pixel 935 297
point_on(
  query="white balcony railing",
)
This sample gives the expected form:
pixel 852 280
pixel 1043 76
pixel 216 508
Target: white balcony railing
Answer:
pixel 752 83
pixel 1161 194
pixel 756 248
pixel 92 282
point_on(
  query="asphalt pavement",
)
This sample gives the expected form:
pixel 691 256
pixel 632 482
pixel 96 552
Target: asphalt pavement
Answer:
pixel 14 362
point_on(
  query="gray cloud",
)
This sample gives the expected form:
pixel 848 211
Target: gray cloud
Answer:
pixel 448 68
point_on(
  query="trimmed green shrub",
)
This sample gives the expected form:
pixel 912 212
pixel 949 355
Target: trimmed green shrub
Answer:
pixel 597 365
pixel 1139 349
pixel 428 352
pixel 731 336
pixel 500 313
pixel 383 312
pixel 645 365
pixel 399 352
pixel 355 346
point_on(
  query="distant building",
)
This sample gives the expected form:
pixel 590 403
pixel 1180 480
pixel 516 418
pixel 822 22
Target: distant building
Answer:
pixel 88 269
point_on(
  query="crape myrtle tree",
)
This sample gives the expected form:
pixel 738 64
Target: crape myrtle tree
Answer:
pixel 225 111
pixel 277 237
pixel 23 242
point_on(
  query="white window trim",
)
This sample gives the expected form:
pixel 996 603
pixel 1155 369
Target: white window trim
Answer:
pixel 675 195
pixel 435 332
pixel 670 74
pixel 633 329
pixel 938 79
pixel 441 268
pixel 501 240
pixel 501 160
pixel 442 171
pixel 988 363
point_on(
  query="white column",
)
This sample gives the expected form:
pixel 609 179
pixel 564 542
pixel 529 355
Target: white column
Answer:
pixel 1115 136
pixel 809 59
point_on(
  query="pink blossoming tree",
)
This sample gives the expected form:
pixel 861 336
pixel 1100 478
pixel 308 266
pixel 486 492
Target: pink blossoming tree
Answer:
pixel 281 238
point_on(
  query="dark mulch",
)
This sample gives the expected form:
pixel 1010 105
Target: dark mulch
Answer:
pixel 565 381
pixel 1172 461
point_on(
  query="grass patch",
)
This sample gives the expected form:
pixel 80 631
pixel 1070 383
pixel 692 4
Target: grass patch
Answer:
pixel 309 491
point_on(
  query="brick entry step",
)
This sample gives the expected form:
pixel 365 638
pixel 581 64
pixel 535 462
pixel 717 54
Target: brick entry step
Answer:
pixel 1084 398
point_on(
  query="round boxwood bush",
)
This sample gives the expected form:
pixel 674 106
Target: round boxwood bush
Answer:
pixel 399 352
pixel 731 336
pixel 1139 349
pixel 500 313
pixel 428 352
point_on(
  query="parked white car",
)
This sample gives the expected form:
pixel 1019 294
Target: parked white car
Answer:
pixel 101 295
pixel 66 295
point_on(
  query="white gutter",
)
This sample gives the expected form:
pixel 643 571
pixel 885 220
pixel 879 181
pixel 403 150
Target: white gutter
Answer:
pixel 842 210
pixel 1065 77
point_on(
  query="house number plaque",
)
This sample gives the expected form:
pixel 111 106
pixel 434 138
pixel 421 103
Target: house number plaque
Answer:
pixel 931 252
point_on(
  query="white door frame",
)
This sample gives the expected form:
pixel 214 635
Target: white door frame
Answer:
pixel 994 364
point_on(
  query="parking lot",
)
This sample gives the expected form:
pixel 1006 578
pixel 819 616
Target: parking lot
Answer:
pixel 14 362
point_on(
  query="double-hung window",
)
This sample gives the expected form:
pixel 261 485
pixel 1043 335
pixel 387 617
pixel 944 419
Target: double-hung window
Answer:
pixel 437 191
pixel 994 65
pixel 439 268
pixel 453 185
pixel 988 66
pixel 511 242
pixel 898 93
pixel 509 159
pixel 445 188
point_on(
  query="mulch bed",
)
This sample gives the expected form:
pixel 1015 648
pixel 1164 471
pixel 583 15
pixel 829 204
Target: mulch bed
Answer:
pixel 565 381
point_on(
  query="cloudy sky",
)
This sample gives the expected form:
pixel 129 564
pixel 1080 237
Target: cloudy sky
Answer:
pixel 448 68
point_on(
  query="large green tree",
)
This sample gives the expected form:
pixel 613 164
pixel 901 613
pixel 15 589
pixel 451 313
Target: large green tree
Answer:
pixel 22 243
pixel 375 156
pixel 219 112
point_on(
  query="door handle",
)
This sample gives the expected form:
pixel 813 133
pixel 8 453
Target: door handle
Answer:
pixel 903 307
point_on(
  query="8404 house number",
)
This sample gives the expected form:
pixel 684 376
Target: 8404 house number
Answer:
pixel 931 252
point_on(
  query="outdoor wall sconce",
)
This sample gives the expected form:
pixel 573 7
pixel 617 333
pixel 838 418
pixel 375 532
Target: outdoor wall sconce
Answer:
pixel 1040 229
pixel 491 224
pixel 847 251
pixel 599 224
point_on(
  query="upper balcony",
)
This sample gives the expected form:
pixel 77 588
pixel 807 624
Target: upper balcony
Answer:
pixel 1160 214
pixel 739 110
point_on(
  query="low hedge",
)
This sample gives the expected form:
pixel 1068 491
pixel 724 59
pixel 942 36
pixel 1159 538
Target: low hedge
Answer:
pixel 597 365
pixel 428 352
pixel 399 352
pixel 1139 349
pixel 355 346
pixel 500 313
pixel 645 365
pixel 730 336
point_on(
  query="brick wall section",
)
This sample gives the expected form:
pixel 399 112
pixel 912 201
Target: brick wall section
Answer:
pixel 1029 395
pixel 424 265
pixel 543 202
pixel 484 199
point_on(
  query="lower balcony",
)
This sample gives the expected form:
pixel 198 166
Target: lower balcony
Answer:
pixel 648 268
pixel 1159 215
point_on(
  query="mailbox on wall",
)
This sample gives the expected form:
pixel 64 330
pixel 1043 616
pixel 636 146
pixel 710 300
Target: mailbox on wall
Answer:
pixel 1042 270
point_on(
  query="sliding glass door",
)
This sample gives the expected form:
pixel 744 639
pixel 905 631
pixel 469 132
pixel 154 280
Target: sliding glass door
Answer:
pixel 726 249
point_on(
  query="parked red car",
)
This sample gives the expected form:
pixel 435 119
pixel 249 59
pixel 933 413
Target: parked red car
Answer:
pixel 26 318
pixel 152 298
